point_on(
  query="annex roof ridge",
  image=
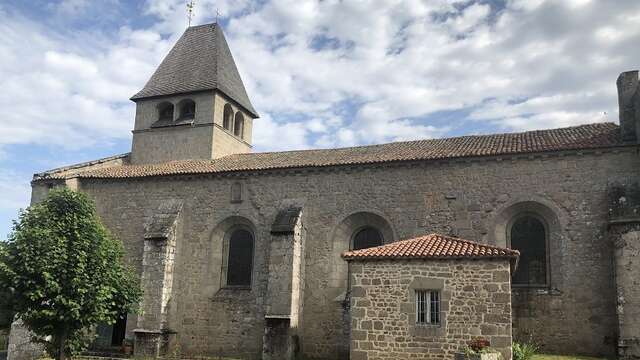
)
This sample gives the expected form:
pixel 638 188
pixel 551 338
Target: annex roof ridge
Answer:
pixel 431 246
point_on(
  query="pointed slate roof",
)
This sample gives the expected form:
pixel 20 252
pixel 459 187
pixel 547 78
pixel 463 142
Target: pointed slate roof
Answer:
pixel 200 60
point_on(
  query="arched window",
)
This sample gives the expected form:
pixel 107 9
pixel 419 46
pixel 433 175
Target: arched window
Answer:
pixel 528 235
pixel 165 112
pixel 240 258
pixel 238 126
pixel 227 117
pixel 366 237
pixel 187 110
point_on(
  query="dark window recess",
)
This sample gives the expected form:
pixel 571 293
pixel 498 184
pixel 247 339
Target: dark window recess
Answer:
pixel 366 238
pixel 238 126
pixel 240 258
pixel 188 110
pixel 236 192
pixel 165 113
pixel 528 236
pixel 119 330
pixel 227 117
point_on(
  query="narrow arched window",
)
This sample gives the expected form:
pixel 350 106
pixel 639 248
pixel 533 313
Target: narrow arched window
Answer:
pixel 238 126
pixel 366 237
pixel 240 258
pixel 529 236
pixel 227 117
pixel 165 112
pixel 187 110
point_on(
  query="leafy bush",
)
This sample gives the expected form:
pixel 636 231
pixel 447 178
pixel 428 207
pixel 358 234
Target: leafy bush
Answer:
pixel 524 351
pixel 479 344
pixel 477 347
pixel 65 272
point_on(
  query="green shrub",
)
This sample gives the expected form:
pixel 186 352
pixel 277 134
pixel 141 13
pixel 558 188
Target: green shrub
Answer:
pixel 523 351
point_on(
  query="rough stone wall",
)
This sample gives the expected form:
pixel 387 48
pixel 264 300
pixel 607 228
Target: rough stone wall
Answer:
pixel 625 236
pixel 219 102
pixel 20 345
pixel 465 198
pixel 154 145
pixel 475 303
pixel 172 143
pixel 225 143
pixel 147 109
pixel 205 139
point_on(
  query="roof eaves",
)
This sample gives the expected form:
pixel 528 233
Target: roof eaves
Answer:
pixel 49 174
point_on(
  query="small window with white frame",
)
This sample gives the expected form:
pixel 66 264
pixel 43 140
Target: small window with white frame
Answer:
pixel 427 307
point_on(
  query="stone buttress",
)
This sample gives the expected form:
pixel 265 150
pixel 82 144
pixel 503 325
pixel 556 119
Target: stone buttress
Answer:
pixel 283 307
pixel 153 335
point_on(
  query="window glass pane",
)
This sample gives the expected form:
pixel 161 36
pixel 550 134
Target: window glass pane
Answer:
pixel 528 236
pixel 435 308
pixel 366 238
pixel 421 307
pixel 427 307
pixel 240 258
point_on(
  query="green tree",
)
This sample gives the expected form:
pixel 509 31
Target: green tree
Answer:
pixel 65 272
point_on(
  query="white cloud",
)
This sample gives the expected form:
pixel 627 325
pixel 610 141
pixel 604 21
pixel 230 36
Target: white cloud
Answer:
pixel 70 89
pixel 331 73
pixel 72 7
pixel 321 73
pixel 15 189
pixel 270 135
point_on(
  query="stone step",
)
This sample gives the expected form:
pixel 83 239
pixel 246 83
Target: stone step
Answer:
pixel 102 355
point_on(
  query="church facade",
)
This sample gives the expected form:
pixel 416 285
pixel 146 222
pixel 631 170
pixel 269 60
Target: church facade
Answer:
pixel 241 254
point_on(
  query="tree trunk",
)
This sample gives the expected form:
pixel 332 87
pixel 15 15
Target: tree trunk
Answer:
pixel 62 354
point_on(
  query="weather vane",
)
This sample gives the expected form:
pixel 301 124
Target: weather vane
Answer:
pixel 190 5
pixel 217 14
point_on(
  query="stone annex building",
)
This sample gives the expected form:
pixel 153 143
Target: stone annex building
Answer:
pixel 359 252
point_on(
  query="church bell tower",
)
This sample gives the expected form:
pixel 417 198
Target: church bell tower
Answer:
pixel 195 105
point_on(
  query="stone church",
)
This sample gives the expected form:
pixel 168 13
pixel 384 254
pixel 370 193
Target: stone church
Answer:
pixel 391 251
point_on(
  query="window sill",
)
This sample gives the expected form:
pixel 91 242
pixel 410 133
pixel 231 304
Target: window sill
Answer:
pixel 230 132
pixel 546 290
pixel 166 124
pixel 530 286
pixel 428 326
pixel 427 330
pixel 236 287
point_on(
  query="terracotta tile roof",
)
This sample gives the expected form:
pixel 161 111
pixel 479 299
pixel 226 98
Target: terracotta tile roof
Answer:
pixel 432 246
pixel 598 135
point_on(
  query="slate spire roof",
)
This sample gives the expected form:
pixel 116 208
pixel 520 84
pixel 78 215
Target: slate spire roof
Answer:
pixel 432 246
pixel 201 60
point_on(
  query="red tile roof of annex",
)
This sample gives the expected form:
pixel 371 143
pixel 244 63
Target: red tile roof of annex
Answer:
pixel 432 246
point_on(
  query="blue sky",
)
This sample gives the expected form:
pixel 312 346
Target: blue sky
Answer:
pixel 320 73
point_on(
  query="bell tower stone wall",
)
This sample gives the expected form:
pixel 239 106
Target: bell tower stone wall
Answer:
pixel 204 137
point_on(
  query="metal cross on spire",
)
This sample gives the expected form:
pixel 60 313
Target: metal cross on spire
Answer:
pixel 190 6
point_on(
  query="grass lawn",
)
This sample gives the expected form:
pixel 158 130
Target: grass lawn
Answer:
pixel 564 357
